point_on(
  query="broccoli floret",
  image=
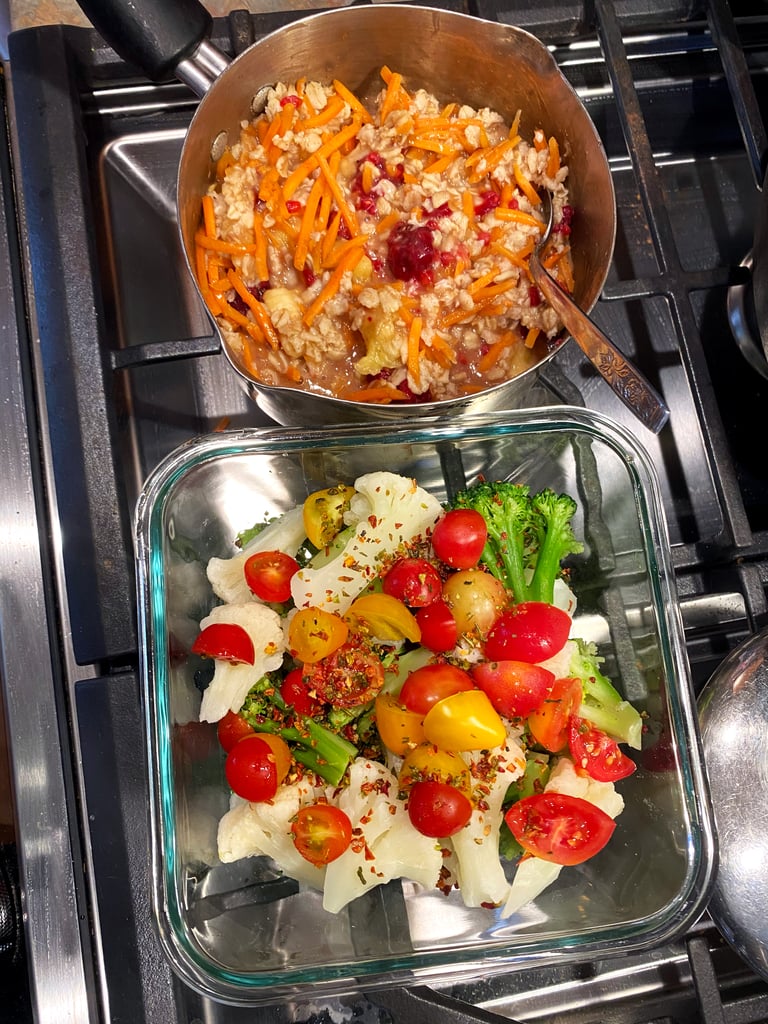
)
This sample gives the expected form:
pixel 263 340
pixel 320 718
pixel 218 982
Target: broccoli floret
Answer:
pixel 312 745
pixel 601 703
pixel 528 535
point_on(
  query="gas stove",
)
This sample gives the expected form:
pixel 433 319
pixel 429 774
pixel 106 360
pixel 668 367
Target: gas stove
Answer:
pixel 111 363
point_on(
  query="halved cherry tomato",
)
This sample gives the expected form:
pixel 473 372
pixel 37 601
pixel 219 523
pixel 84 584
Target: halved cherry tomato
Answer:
pixel 256 766
pixel 268 575
pixel 464 721
pixel 350 675
pixel 549 723
pixel 515 688
pixel 596 753
pixel 439 632
pixel 428 763
pixel 385 616
pixel 560 828
pixel 294 691
pixel 414 581
pixel 324 513
pixel 399 728
pixel 227 641
pixel 231 729
pixel 314 633
pixel 437 809
pixel 476 599
pixel 427 685
pixel 459 537
pixel 530 631
pixel 321 833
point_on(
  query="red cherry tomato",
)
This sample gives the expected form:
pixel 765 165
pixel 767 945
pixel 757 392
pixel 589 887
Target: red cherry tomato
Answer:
pixel 227 641
pixel 439 632
pixel 321 833
pixel 231 729
pixel 414 581
pixel 560 828
pixel 350 675
pixel 459 537
pixel 268 575
pixel 548 724
pixel 431 683
pixel 437 809
pixel 295 692
pixel 531 631
pixel 252 768
pixel 596 753
pixel 515 688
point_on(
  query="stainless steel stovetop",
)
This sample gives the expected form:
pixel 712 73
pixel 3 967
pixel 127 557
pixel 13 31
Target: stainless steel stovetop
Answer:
pixel 110 364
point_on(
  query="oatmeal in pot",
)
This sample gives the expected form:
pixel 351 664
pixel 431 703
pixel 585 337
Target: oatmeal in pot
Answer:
pixel 382 255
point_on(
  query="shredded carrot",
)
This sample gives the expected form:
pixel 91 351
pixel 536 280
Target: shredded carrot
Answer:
pixel 307 224
pixel 223 163
pixel 367 177
pixel 387 222
pixel 201 270
pixel 480 282
pixel 539 140
pixel 348 262
pixel 515 127
pixel 340 250
pixel 350 98
pixel 443 347
pixel 218 246
pixel 526 186
pixel 260 256
pixel 332 109
pixel 305 168
pixel 490 358
pixel 386 74
pixel 380 393
pixel 347 214
pixel 518 216
pixel 468 205
pixel 531 336
pixel 242 321
pixel 258 309
pixel 440 165
pixel 553 164
pixel 209 217
pixel 331 234
pixel 390 96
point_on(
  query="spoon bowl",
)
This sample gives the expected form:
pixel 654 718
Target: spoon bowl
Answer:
pixel 626 380
pixel 733 716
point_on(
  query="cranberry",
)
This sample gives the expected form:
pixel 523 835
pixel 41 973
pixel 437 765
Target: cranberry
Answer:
pixel 366 201
pixel 443 210
pixel 258 293
pixel 295 101
pixel 563 227
pixel 376 159
pixel 410 251
pixel 293 206
pixel 488 201
pixel 534 295
pixel 309 276
pixel 344 231
pixel 258 204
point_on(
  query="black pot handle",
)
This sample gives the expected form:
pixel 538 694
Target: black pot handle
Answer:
pixel 155 35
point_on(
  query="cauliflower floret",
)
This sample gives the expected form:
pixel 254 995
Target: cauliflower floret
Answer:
pixel 388 846
pixel 226 575
pixel 252 830
pixel 390 511
pixel 231 683
pixel 477 865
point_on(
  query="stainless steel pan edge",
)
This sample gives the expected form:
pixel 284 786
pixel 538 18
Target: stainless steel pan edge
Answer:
pixel 455 56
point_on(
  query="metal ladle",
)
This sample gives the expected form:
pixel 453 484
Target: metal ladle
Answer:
pixel 626 380
pixel 733 716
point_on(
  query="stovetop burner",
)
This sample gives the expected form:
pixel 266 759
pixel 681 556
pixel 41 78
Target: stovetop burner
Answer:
pixel 743 320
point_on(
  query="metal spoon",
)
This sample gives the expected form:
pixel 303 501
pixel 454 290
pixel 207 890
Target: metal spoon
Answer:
pixel 625 379
pixel 733 716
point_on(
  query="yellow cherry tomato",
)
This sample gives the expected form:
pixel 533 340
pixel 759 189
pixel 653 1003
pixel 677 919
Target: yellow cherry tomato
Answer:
pixel 280 751
pixel 400 729
pixel 428 763
pixel 386 618
pixel 324 513
pixel 315 633
pixel 464 721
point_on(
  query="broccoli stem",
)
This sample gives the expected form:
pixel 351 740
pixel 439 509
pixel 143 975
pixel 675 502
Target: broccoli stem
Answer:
pixel 312 745
pixel 602 704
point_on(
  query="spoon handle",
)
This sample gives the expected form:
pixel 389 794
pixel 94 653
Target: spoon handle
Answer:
pixel 626 380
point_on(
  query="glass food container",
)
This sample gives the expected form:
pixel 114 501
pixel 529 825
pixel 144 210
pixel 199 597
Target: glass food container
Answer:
pixel 243 932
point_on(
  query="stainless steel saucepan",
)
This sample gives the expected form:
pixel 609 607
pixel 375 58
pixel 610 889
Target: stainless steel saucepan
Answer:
pixel 454 56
